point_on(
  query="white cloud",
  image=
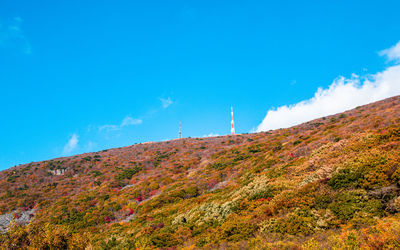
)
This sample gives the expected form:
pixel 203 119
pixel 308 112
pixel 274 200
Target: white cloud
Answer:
pixel 166 102
pixel 71 145
pixel 12 37
pixel 393 53
pixel 127 121
pixel 343 94
pixel 211 135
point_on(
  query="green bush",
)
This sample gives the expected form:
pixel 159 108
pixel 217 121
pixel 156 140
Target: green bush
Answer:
pixel 128 173
pixel 96 173
pixel 347 204
pixel 164 239
pixel 345 178
pixel 297 223
pixel 191 191
pixel 368 171
pixel 297 142
pixel 219 166
pixel 322 201
pixel 267 192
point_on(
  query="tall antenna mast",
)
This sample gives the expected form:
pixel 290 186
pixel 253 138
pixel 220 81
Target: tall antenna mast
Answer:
pixel 180 130
pixel 232 123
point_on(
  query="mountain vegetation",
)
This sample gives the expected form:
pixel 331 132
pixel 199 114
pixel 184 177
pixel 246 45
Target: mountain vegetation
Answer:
pixel 329 183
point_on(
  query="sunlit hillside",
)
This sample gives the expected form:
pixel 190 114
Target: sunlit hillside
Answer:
pixel 333 182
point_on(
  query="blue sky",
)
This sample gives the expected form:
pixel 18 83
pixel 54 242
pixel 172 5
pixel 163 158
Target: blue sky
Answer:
pixel 81 76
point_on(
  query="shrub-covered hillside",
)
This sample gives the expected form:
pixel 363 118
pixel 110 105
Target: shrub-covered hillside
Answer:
pixel 329 183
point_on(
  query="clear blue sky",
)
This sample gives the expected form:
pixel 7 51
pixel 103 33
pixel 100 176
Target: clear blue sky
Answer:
pixel 78 68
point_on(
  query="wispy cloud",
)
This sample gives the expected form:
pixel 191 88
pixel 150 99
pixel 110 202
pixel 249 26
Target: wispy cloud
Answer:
pixel 90 146
pixel 127 121
pixel 393 53
pixel 166 102
pixel 211 135
pixel 13 37
pixel 71 145
pixel 343 94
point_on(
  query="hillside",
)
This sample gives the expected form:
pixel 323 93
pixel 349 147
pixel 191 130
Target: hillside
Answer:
pixel 330 182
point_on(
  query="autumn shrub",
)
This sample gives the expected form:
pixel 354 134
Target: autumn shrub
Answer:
pixel 49 236
pixel 96 173
pixel 161 157
pixel 43 236
pixel 16 238
pixel 368 170
pixel 384 235
pixel 164 239
pixel 191 191
pixel 109 244
pixel 177 194
pixel 183 234
pixel 362 220
pixel 396 204
pixel 288 199
pixel 351 241
pixel 235 229
pixel 207 213
pixel 277 147
pixel 300 222
pixel 277 171
pixel 390 134
pixel 396 176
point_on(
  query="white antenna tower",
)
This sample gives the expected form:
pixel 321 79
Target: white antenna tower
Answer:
pixel 232 123
pixel 180 130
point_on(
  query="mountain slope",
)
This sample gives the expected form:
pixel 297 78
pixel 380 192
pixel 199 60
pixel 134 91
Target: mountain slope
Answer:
pixel 312 185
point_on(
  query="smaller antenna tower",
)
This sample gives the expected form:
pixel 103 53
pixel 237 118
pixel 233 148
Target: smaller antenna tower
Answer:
pixel 180 130
pixel 232 123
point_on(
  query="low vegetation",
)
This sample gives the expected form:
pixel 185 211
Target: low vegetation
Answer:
pixel 330 183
